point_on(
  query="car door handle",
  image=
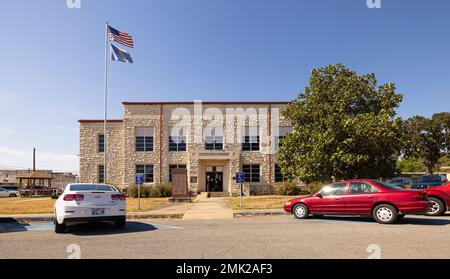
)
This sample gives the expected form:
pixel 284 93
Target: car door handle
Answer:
pixel 370 198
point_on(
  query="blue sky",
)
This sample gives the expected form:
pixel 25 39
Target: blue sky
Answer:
pixel 51 71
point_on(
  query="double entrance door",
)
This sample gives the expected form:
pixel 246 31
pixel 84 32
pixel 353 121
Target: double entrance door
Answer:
pixel 214 181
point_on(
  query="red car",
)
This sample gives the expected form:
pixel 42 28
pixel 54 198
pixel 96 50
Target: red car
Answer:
pixel 385 202
pixel 440 199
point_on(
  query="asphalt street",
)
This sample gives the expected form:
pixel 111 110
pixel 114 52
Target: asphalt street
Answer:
pixel 247 238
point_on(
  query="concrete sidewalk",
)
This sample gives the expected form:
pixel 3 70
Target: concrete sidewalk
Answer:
pixel 209 209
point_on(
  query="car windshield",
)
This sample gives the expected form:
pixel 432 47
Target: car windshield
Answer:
pixel 92 187
pixel 388 185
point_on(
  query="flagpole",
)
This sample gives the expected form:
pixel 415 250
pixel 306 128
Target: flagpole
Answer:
pixel 105 168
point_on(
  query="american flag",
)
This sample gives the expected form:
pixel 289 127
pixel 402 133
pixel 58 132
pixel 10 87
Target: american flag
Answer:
pixel 120 37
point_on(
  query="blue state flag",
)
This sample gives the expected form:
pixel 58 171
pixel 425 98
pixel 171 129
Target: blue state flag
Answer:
pixel 118 54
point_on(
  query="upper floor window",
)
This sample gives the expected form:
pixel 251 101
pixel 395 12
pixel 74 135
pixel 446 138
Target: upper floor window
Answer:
pixel 252 173
pixel 101 143
pixel 213 138
pixel 177 139
pixel 250 139
pixel 144 139
pixel 147 171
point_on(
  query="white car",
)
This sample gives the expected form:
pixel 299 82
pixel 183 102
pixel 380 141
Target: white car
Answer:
pixel 5 193
pixel 81 203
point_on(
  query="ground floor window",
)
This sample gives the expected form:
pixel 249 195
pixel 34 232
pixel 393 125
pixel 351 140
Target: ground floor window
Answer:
pixel 174 167
pixel 252 173
pixel 278 174
pixel 147 171
pixel 101 174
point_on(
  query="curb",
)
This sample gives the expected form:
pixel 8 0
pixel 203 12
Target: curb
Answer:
pixel 156 216
pixel 258 214
pixel 129 216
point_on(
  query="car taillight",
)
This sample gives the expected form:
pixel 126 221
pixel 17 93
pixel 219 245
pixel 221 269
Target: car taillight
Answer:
pixel 118 197
pixel 74 197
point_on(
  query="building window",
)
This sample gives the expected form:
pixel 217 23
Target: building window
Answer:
pixel 101 174
pixel 174 167
pixel 252 173
pixel 250 139
pixel 278 174
pixel 282 133
pixel 144 139
pixel 147 171
pixel 101 143
pixel 213 138
pixel 177 139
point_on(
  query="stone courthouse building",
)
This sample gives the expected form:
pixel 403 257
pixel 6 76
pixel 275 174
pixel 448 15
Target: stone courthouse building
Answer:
pixel 212 140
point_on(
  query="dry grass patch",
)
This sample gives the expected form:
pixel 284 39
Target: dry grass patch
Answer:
pixel 45 205
pixel 147 204
pixel 26 206
pixel 260 202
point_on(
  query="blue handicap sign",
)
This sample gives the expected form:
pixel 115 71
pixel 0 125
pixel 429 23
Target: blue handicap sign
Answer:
pixel 139 179
pixel 240 177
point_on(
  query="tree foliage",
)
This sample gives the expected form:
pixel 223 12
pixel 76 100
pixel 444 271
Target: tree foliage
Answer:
pixel 427 139
pixel 345 126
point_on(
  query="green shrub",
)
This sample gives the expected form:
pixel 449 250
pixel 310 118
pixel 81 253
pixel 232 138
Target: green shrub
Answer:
pixel 165 190
pixel 151 191
pixel 313 188
pixel 288 188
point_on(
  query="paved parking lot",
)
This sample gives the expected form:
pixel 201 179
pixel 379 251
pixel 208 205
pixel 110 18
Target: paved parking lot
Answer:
pixel 267 237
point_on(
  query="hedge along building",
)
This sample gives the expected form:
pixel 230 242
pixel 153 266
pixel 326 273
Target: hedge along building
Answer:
pixel 212 140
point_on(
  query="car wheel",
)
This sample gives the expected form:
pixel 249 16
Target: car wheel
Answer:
pixel 385 214
pixel 60 228
pixel 13 196
pixel 301 211
pixel 438 207
pixel 120 223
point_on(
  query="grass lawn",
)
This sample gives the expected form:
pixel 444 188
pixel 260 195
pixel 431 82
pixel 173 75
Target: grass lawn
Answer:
pixel 260 202
pixel 45 205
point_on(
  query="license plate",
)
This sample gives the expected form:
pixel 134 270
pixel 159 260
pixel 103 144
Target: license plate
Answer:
pixel 98 212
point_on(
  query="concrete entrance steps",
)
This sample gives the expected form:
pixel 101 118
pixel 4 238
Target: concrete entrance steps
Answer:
pixel 219 195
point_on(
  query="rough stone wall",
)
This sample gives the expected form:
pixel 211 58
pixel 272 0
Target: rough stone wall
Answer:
pixel 91 159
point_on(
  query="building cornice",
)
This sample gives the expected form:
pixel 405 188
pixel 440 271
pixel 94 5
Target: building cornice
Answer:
pixel 92 121
pixel 204 103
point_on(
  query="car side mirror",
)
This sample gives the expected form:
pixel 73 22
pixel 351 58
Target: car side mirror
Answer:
pixel 319 195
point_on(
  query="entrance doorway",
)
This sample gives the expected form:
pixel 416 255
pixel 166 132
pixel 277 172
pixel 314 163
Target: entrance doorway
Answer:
pixel 214 182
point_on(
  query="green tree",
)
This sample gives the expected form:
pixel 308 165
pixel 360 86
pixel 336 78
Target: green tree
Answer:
pixel 344 127
pixel 410 165
pixel 427 139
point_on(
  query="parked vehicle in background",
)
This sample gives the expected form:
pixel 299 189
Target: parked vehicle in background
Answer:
pixel 80 203
pixel 386 203
pixel 9 193
pixel 429 181
pixel 440 199
pixel 402 182
pixel 11 187
pixel 37 191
